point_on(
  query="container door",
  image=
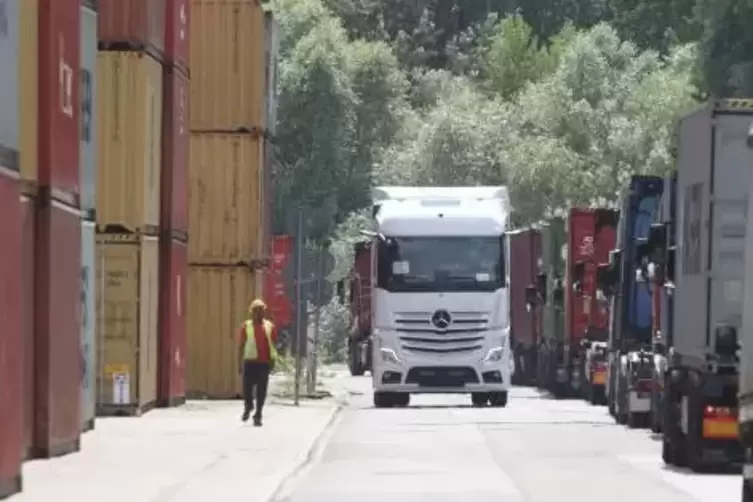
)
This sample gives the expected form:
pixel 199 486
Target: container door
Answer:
pixel 88 347
pixel 88 95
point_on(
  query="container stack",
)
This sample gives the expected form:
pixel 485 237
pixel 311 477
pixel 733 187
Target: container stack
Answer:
pixel 129 121
pixel 12 331
pixel 171 389
pixel 226 186
pixel 53 124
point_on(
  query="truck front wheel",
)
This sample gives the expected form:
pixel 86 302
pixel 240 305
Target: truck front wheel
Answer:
pixel 498 399
pixel 479 399
pixel 383 400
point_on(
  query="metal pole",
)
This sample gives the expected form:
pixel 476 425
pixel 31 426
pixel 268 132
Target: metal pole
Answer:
pixel 311 381
pixel 299 331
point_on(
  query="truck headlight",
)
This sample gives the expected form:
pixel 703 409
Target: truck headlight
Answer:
pixel 389 356
pixel 494 355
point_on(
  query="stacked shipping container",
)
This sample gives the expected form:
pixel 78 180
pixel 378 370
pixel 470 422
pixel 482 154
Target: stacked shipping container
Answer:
pixel 233 43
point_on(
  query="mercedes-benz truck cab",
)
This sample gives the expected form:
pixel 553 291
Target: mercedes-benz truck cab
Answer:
pixel 440 298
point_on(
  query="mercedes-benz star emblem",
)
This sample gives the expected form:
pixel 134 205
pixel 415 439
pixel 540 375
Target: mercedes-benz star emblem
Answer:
pixel 441 319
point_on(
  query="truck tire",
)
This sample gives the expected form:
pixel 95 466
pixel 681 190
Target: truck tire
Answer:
pixel 498 399
pixel 384 399
pixel 401 399
pixel 638 420
pixel 747 491
pixel 479 399
pixel 693 442
pixel 354 359
pixel 673 447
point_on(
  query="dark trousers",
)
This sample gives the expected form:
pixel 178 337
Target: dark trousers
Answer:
pixel 255 381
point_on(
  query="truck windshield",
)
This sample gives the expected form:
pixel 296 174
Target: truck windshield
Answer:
pixel 435 264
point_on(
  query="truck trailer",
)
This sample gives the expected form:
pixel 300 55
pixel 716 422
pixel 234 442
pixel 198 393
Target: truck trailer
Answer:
pixel 629 362
pixel 746 359
pixel 701 388
pixel 656 262
pixel 525 253
pixel 359 303
pixel 439 297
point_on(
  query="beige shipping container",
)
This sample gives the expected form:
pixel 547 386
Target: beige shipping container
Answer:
pixel 28 87
pixel 224 203
pixel 127 300
pixel 227 65
pixel 218 299
pixel 129 117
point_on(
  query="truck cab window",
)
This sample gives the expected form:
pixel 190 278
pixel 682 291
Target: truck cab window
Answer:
pixel 433 264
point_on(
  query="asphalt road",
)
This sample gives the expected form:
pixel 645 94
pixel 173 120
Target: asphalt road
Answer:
pixel 441 449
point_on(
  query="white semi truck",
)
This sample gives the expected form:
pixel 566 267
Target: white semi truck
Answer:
pixel 439 294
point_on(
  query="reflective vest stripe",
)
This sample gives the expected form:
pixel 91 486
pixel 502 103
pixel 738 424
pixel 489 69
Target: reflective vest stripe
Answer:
pixel 250 351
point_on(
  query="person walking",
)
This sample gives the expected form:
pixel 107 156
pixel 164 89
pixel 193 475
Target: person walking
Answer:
pixel 257 355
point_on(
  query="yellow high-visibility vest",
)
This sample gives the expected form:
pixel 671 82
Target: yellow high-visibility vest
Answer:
pixel 251 351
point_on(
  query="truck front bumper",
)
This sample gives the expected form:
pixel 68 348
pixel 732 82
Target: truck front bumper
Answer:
pixel 455 375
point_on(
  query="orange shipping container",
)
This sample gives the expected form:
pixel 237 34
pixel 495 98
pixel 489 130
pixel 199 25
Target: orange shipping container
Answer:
pixel 28 86
pixel 224 207
pixel 218 299
pixel 129 115
pixel 227 59
pixel 127 313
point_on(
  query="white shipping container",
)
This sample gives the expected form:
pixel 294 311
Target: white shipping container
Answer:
pixel 9 97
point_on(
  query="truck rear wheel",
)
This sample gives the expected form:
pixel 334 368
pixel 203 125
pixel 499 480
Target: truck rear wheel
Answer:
pixel 747 491
pixel 638 420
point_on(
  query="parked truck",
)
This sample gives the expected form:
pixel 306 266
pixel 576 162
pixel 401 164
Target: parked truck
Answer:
pixel 656 262
pixel 746 359
pixel 525 252
pixel 629 361
pixel 359 302
pixel 701 387
pixel 547 299
pixel 439 297
pixel 591 236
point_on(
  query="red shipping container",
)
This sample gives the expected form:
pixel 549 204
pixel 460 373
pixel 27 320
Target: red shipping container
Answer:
pixel 177 21
pixel 174 196
pixel 172 322
pixel 591 235
pixel 58 364
pixel 132 25
pixel 11 336
pixel 274 293
pixel 525 250
pixel 28 241
pixel 58 117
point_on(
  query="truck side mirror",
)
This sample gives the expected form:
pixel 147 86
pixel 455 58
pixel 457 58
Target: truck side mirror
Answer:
pixel 341 291
pixel 532 297
pixel 541 286
pixel 579 271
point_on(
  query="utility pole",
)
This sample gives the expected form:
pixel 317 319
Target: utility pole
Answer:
pixel 300 330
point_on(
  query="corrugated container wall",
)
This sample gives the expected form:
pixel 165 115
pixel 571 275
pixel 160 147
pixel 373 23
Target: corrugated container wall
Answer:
pixel 11 337
pixel 58 364
pixel 59 126
pixel 271 27
pixel 87 81
pixel 127 314
pixel 172 322
pixel 177 22
pixel 224 207
pixel 218 299
pixel 28 245
pixel 9 50
pixel 174 196
pixel 132 25
pixel 580 251
pixel 28 82
pixel 227 65
pixel 88 327
pixel 129 114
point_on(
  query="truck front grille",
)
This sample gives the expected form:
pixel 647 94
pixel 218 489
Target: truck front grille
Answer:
pixel 428 376
pixel 464 334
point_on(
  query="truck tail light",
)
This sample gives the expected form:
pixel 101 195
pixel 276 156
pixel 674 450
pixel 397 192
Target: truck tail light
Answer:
pixel 720 412
pixel 600 366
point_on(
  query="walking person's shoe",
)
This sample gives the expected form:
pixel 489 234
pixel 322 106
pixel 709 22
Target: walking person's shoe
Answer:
pixel 246 414
pixel 257 421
